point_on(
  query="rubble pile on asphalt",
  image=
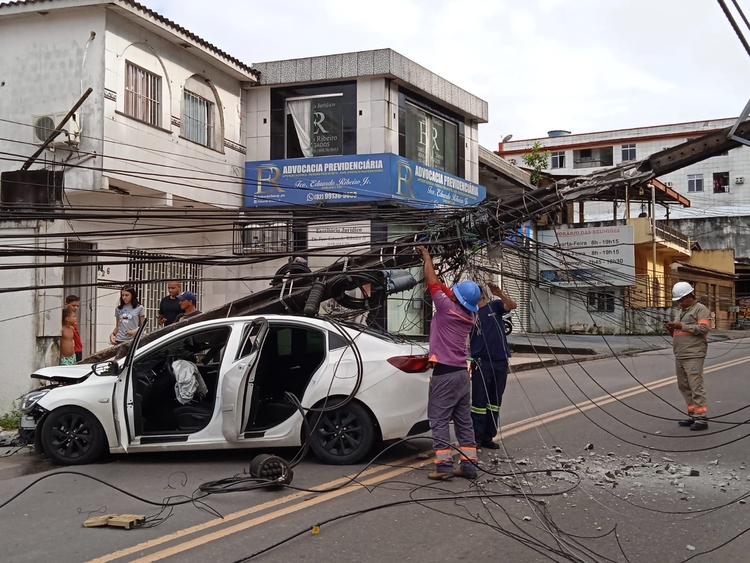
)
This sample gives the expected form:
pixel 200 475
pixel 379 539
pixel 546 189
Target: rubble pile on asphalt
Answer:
pixel 645 471
pixel 8 438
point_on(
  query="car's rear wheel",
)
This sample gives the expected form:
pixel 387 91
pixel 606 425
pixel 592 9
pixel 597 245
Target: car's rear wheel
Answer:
pixel 342 436
pixel 73 436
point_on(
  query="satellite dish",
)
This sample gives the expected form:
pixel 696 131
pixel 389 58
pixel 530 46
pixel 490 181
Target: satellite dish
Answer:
pixel 507 138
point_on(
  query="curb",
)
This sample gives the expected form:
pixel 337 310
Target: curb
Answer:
pixel 553 350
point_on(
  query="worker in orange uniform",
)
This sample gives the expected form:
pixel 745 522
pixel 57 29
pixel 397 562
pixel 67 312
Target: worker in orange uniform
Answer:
pixel 689 333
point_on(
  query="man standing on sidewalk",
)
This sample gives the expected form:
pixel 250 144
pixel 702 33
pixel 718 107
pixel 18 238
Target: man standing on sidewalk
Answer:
pixel 690 340
pixel 450 384
pixel 489 374
pixel 169 306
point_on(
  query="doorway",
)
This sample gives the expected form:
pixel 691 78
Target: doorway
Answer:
pixel 80 278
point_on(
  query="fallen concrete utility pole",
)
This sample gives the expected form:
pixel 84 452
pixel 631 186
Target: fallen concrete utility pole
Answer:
pixel 486 222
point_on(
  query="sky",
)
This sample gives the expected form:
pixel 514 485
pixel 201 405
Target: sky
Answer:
pixel 580 65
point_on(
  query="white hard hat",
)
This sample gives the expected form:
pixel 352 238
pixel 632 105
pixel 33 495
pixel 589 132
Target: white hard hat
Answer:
pixel 680 290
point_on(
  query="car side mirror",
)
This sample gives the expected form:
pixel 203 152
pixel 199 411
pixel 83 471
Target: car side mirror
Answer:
pixel 106 368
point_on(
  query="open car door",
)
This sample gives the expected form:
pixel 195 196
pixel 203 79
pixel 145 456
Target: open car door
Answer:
pixel 237 383
pixel 123 402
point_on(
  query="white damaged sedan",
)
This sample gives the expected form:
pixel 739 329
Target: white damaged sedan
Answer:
pixel 240 382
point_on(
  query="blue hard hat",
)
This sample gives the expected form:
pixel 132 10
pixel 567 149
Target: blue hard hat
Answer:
pixel 467 294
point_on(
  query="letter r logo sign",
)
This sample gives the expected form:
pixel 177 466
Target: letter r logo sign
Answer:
pixel 404 177
pixel 268 174
pixel 318 119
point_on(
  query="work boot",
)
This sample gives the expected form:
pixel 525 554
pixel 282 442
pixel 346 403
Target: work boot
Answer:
pixel 687 422
pixel 699 425
pixel 490 445
pixel 467 470
pixel 466 473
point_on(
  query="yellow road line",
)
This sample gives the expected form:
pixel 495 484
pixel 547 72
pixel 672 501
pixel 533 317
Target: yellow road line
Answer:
pixel 508 430
pixel 218 534
pixel 233 516
pixel 527 424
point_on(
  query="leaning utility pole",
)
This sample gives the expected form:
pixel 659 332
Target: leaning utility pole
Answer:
pixel 487 222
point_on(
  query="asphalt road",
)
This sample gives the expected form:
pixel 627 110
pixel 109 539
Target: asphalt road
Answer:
pixel 629 498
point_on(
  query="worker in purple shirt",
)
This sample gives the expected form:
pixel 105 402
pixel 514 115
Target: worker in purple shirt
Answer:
pixel 450 384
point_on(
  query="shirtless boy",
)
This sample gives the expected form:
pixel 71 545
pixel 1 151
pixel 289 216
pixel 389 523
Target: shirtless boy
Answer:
pixel 67 344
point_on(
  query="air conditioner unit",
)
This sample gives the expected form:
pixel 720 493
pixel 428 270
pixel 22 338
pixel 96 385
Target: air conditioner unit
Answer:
pixel 739 180
pixel 44 125
pixel 668 184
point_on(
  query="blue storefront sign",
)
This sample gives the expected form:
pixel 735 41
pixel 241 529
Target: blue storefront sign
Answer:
pixel 355 179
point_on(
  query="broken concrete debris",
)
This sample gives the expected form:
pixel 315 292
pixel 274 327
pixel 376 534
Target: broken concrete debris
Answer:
pixel 638 472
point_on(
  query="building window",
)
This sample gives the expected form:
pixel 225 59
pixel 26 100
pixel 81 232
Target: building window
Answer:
pixel 144 266
pixel 721 183
pixel 558 159
pixel 628 152
pixel 315 126
pixel 603 301
pixel 695 182
pixel 142 95
pixel 431 140
pixel 267 237
pixel 197 119
pixel 296 130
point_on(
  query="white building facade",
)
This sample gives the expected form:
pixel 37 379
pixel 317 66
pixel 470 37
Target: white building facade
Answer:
pixel 716 187
pixel 158 145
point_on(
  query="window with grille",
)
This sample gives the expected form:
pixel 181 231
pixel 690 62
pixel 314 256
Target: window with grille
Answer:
pixel 150 273
pixel 197 119
pixel 603 301
pixel 558 159
pixel 251 238
pixel 142 94
pixel 721 182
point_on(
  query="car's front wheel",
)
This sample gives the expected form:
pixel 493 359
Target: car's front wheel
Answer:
pixel 342 436
pixel 72 436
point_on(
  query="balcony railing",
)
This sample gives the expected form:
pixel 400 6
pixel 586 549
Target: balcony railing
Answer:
pixel 668 234
pixel 590 163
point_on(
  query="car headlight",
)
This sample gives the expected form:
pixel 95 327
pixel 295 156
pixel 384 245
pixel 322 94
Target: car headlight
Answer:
pixel 30 399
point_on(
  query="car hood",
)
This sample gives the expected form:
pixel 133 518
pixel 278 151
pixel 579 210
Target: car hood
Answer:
pixel 64 374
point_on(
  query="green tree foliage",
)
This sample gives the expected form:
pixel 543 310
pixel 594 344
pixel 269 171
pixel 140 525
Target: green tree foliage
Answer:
pixel 537 160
